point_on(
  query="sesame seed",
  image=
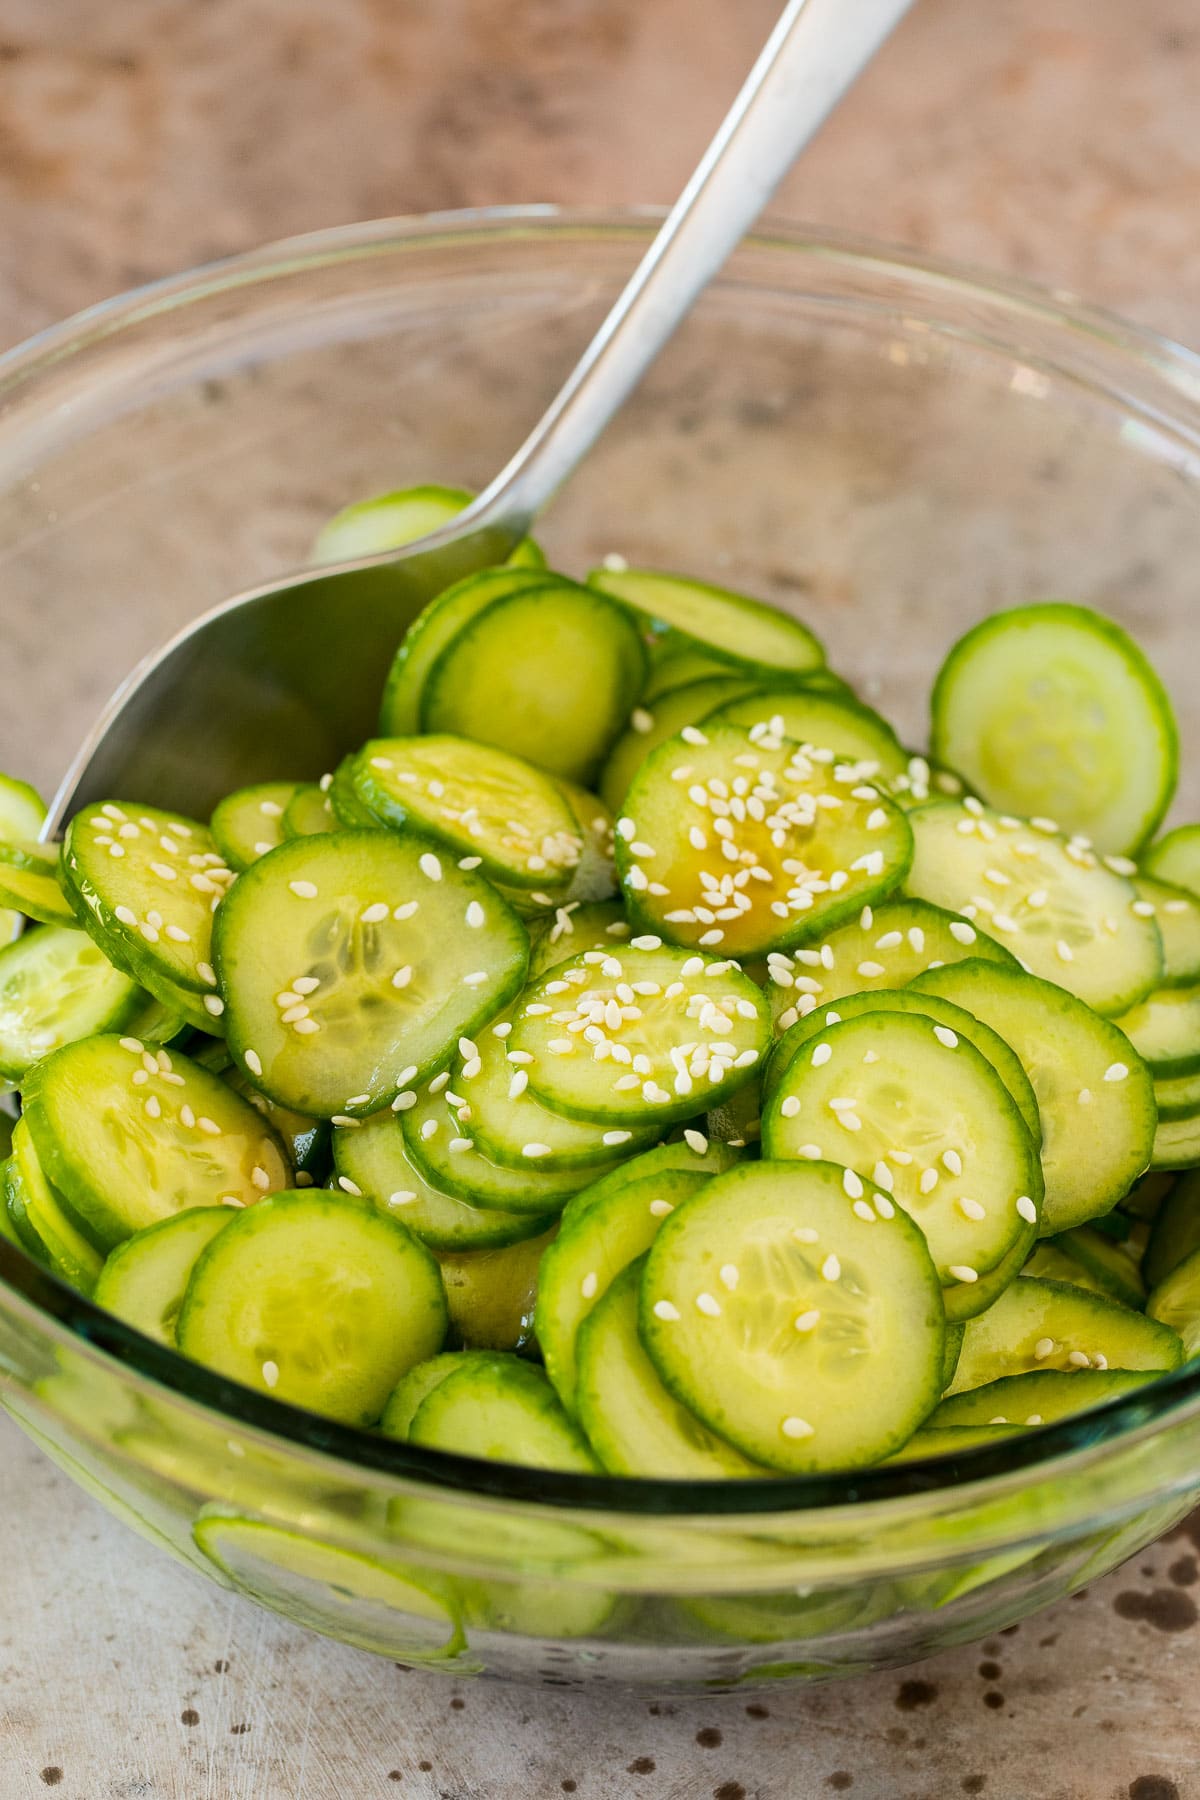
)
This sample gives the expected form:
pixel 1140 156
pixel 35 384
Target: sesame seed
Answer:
pixel 303 890
pixel 208 1126
pixel 344 1119
pixel 475 915
pixel 1064 951
pixel 729 1275
pixel 402 1197
pixel 459 1144
pixel 405 910
pixel 590 1284
pixel 1116 1071
pixel 1079 1359
pixel 928 1181
pixel 971 1209
pixel 305 1027
pixel 852 1184
pixel 641 720
pixel 664 1310
pixel 864 1210
pixel 696 1141
pixel 270 1373
pixel 1084 1097
pixel 252 1061
pixel 1027 1209
pixel 375 913
pixel 214 1004
pixel 133 1045
pixel 952 1161
pixel 871 969
pixel 404 1100
pixel 476 978
pixel 260 1178
pixel 1043 1348
pixel 153 1107
pixel 186 1116
pixel 964 1272
pixel 945 1036
pixel 660 1208
pixel 178 935
pixel 831 1268
pixel 962 932
pixel 535 1150
pixel 796 1428
pixel 139 1077
pixel 710 1307
pixel 403 976
pixel 821 1055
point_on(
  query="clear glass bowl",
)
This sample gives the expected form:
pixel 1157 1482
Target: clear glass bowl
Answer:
pixel 890 447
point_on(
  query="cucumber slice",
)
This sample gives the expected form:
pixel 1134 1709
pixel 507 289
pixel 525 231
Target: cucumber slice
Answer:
pixel 1164 1029
pixel 68 1252
pixel 1094 1092
pixel 1177 915
pixel 919 1111
pixel 1051 902
pixel 1175 1232
pixel 577 925
pixel 248 823
pixel 17 1228
pixel 679 616
pixel 738 1121
pixel 56 986
pixel 502 1410
pixel 477 801
pixel 368 527
pixel 829 721
pixel 416 1385
pixel 306 1140
pixel 448 1159
pixel 323 1302
pixel 954 1338
pixel 633 1424
pixel 728 1281
pixel 1061 1323
pixel 10 1231
pixel 683 670
pixel 509 1125
pixel 595 878
pixel 392 993
pixel 348 810
pixel 22 811
pixel 922 781
pixel 1176 858
pixel 1177 1096
pixel 370 1603
pixel 1175 1303
pixel 602 1232
pixel 145 885
pixel 885 947
pixel 698 862
pixel 29 884
pixel 434 630
pixel 1039 1398
pixel 1176 1144
pixel 131 1136
pixel 644 1035
pixel 549 673
pixel 374 1157
pixel 1054 709
pixel 1087 1258
pixel 687 704
pixel 309 812
pixel 989 1043
pixel 144 1279
pixel 951 1440
pixel 491 1293
pixel 1146 1197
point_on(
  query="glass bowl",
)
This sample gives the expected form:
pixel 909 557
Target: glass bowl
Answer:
pixel 890 447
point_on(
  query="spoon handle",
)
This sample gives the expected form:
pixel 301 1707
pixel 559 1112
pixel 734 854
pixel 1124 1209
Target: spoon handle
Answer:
pixel 814 53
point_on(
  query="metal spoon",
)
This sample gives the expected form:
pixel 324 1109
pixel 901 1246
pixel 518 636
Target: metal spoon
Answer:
pixel 282 680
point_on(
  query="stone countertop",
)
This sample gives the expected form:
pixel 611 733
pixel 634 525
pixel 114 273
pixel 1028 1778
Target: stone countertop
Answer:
pixel 1051 138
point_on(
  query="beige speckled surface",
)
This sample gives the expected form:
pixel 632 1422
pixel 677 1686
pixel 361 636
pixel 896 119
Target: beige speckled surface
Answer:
pixel 1056 138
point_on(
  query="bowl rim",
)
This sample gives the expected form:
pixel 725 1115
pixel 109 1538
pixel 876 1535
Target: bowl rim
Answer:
pixel 81 1324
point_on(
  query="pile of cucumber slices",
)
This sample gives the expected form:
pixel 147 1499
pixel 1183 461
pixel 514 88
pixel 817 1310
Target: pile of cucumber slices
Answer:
pixel 634 1059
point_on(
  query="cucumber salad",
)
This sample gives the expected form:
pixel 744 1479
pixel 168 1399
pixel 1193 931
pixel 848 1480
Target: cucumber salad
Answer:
pixel 635 1059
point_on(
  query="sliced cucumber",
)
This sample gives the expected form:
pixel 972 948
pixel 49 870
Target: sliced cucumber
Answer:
pixel 368 527
pixel 248 823
pixel 41 1213
pixel 549 673
pixel 643 1036
pixel 884 947
pixel 22 811
pixel 475 800
pixel 309 812
pixel 1051 902
pixel 919 1111
pixel 1094 1092
pixel 679 616
pixel 434 630
pixel 131 1136
pixel 55 986
pixel 420 1381
pixel 145 885
pixel 989 1043
pixel 1038 1398
pixel 1175 1302
pixel 509 1125
pixel 575 926
pixel 306 1140
pixel 1177 915
pixel 1039 1324
pixel 1176 858
pixel 743 840
pixel 144 1279
pixel 1146 1196
pixel 1177 1096
pixel 951 1440
pixel 323 1302
pixel 491 1293
pixel 1054 709
pixel 679 706
pixel 631 1421
pixel 1177 1144
pixel 382 998
pixel 502 1410
pixel 595 877
pixel 827 721
pixel 1175 1232
pixel 731 1287
pixel 601 1234
pixel 1087 1258
pixel 374 1157
pixel 30 884
pixel 1164 1029
pixel 450 1161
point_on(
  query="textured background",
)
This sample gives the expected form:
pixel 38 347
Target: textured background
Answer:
pixel 1053 138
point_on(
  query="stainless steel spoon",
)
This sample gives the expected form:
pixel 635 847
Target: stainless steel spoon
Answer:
pixel 282 680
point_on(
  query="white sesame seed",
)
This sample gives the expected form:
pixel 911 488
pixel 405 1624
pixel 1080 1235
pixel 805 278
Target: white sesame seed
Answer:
pixel 405 910
pixel 664 1310
pixel 964 1272
pixel 459 1144
pixel 476 915
pixel 864 1210
pixel 971 1209
pixel 945 1036
pixel 962 932
pixel 696 1141
pixel 252 1061
pixel 303 890
pixel 660 1208
pixel 708 1305
pixel 133 1045
pixel 476 978
pixel 641 720
pixel 1116 1071
pixel 729 1275
pixel 153 1107
pixel 928 1181
pixel 270 1373
pixel 852 1184
pixel 208 1126
pixel 952 1161
pixel 1043 1348
pixel 260 1178
pixel 305 1027
pixel 214 1004
pixel 869 970
pixel 535 1150
pixel 404 1100
pixel 821 1055
pixel 1027 1209
pixel 1079 1359
pixel 831 1268
pixel 590 1284
pixel 402 1197
pixel 796 1428
pixel 375 913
